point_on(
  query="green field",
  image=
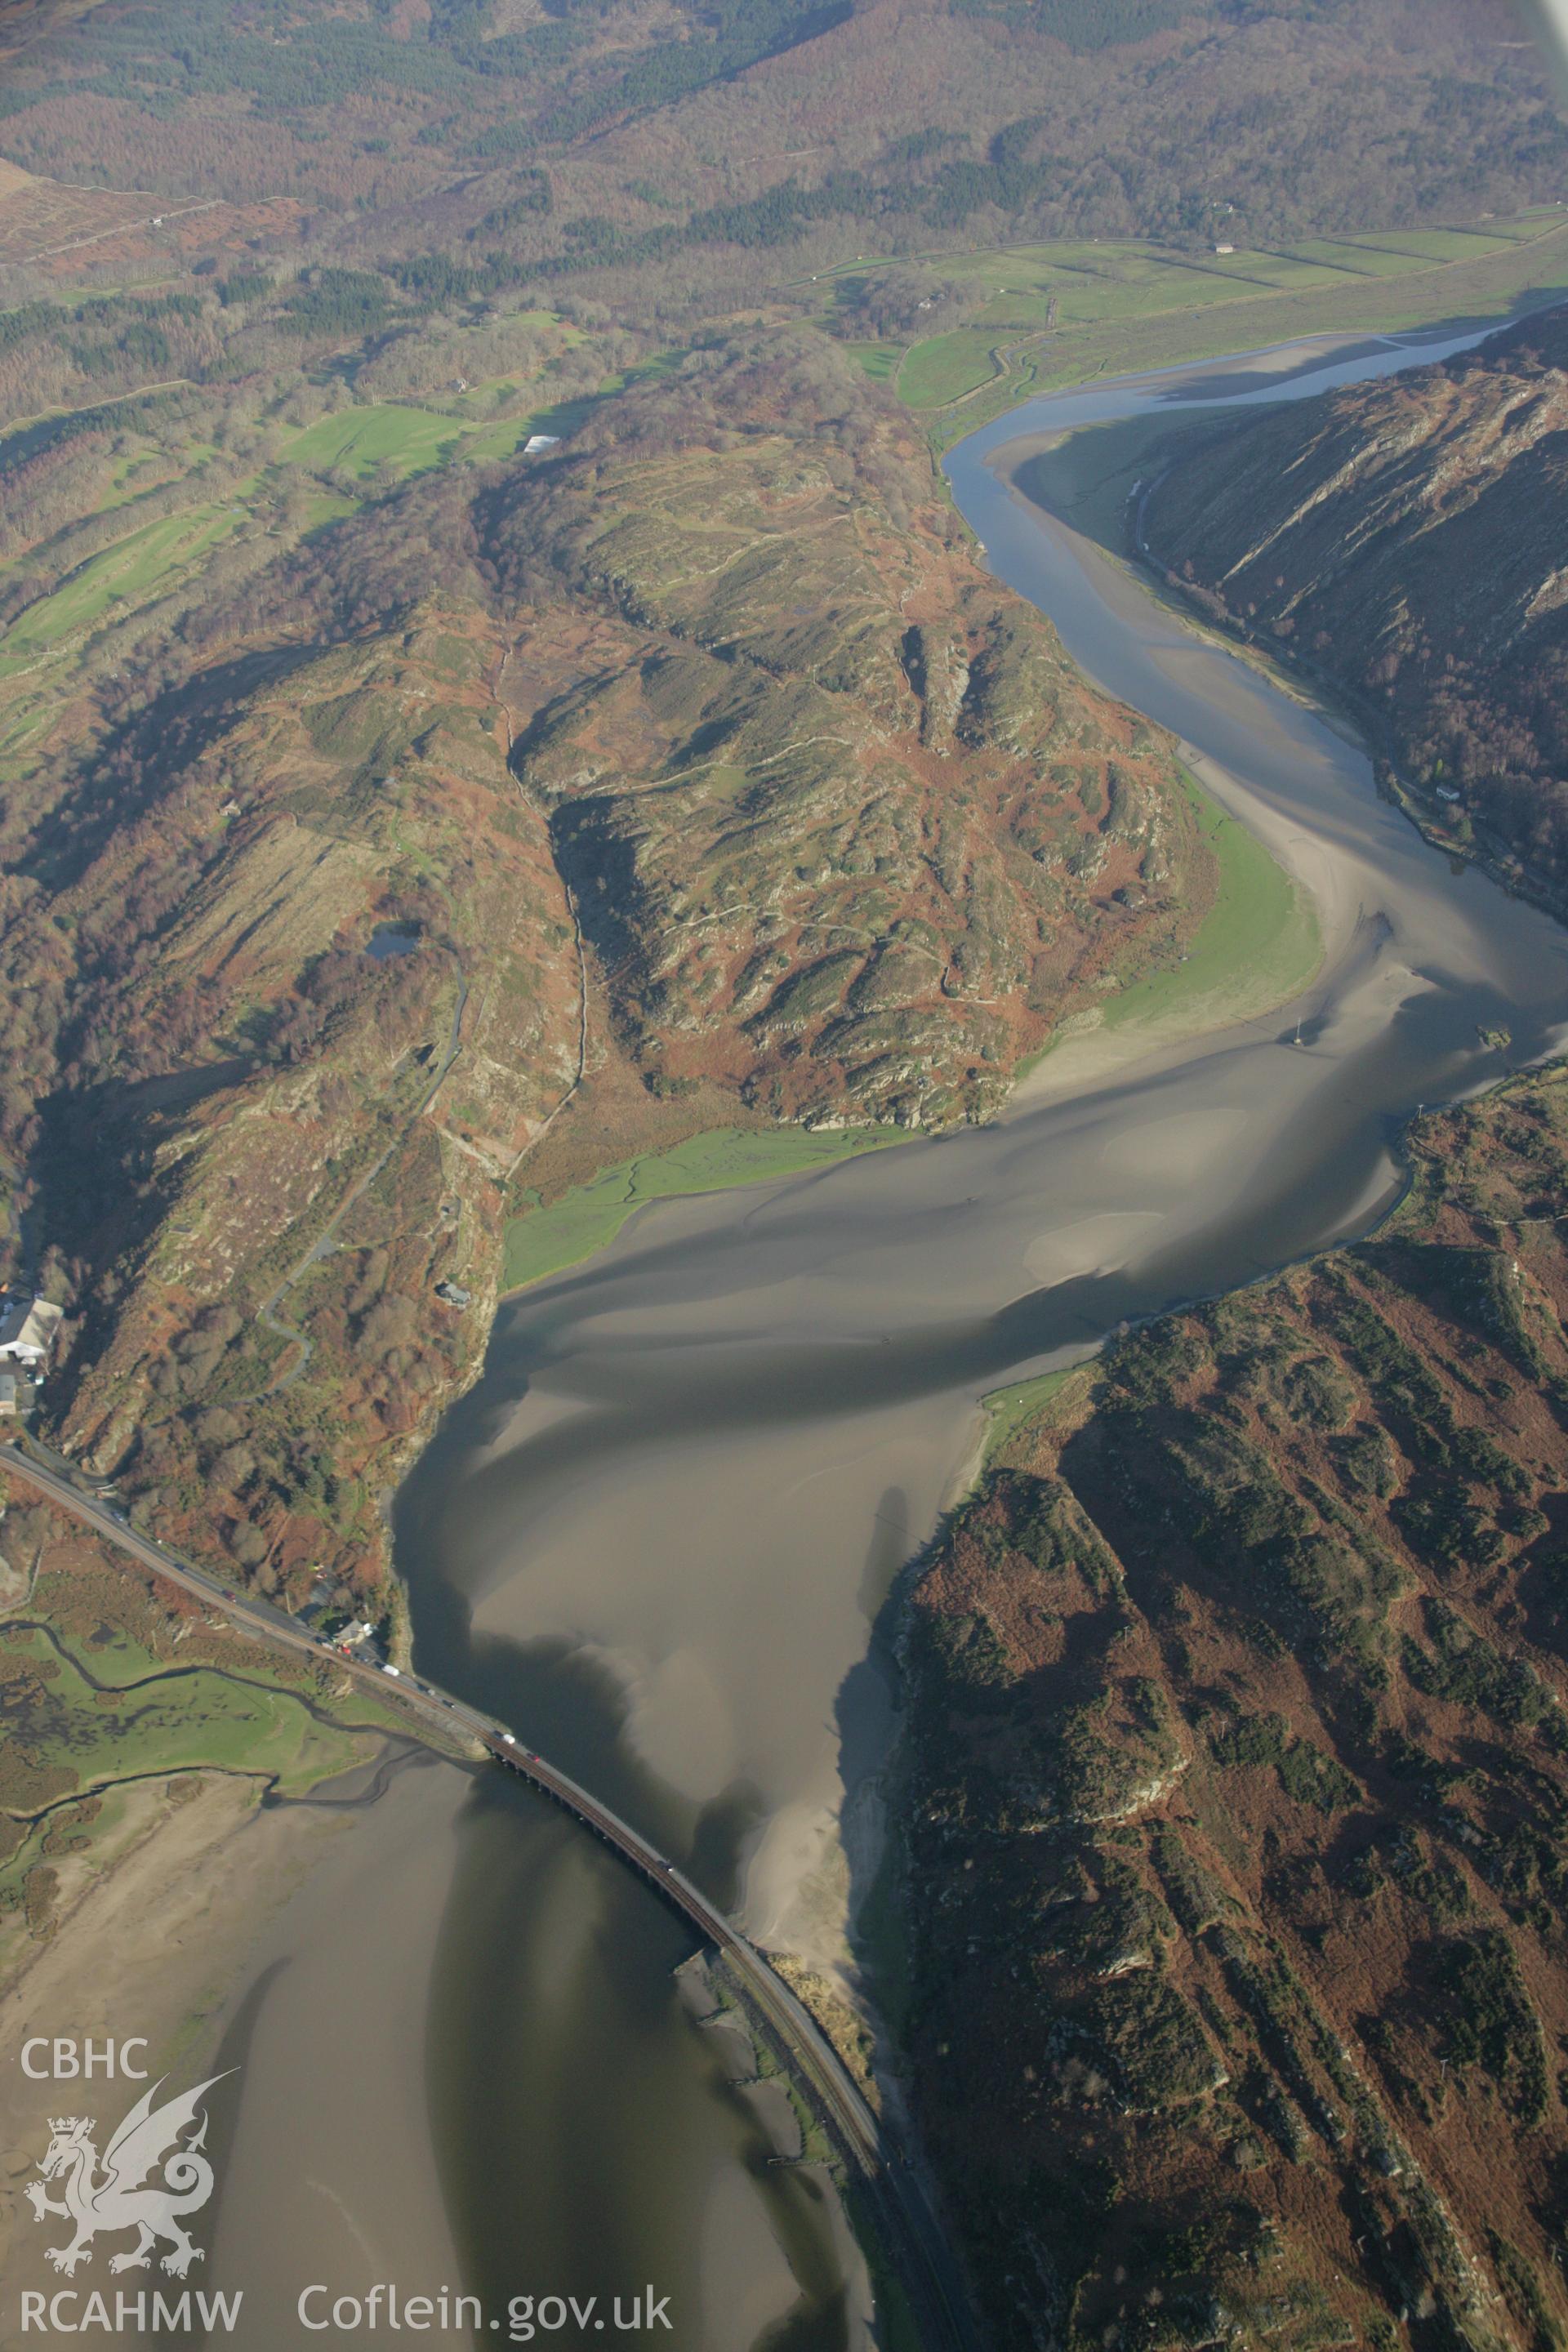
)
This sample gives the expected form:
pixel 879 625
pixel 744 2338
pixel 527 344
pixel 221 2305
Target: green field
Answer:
pixel 177 1721
pixel 390 435
pixel 1355 260
pixel 1431 244
pixel 1257 946
pixel 1009 1410
pixel 127 573
pixel 945 367
pixel 587 1219
pixel 360 441
pixel 1119 306
pixel 878 361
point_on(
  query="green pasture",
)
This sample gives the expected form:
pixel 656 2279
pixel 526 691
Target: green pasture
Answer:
pixel 945 367
pixel 1502 285
pixel 506 438
pixel 1354 261
pixel 1433 244
pixel 1009 1410
pixel 360 441
pixel 1118 305
pixel 587 1219
pixel 1081 288
pixel 1257 946
pixel 1230 276
pixel 389 434
pixel 127 573
pixel 181 1721
pixel 878 361
pixel 473 406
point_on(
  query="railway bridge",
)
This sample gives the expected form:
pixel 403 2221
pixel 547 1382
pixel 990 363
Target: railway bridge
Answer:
pixel 878 2175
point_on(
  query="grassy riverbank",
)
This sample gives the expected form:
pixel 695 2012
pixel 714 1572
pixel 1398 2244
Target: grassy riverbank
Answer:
pixel 1008 1409
pixel 546 1241
pixel 1121 307
pixel 77 1737
pixel 1258 945
pixel 126 1706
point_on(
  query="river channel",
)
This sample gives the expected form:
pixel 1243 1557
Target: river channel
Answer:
pixel 657 1535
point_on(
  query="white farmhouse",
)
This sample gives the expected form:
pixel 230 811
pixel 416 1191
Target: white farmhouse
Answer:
pixel 27 1331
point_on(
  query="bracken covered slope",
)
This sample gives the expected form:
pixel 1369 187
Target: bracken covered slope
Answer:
pixel 845 829
pixel 710 714
pixel 235 1066
pixel 1238 1781
pixel 1408 536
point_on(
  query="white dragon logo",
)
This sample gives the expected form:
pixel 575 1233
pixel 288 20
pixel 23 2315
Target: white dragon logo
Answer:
pixel 115 2198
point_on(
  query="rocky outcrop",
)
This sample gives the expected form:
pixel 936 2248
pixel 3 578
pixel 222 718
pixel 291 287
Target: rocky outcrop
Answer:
pixel 1233 1795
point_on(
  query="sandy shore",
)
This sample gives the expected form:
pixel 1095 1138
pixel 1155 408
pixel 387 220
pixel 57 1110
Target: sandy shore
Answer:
pixel 1087 1059
pixel 275 1942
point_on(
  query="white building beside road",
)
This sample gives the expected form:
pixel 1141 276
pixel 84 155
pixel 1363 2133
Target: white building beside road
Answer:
pixel 27 1331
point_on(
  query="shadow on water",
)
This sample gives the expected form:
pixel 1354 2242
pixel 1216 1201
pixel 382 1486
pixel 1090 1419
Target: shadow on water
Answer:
pixel 565 1698
pixel 230 2058
pixel 582 2119
pixel 601 2179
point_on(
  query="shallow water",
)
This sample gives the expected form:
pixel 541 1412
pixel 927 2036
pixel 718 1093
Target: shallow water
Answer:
pixel 657 1533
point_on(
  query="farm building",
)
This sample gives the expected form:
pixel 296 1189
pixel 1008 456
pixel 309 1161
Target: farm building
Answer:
pixel 27 1330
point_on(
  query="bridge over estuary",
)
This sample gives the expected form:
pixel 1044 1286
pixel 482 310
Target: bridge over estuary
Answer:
pixel 878 2177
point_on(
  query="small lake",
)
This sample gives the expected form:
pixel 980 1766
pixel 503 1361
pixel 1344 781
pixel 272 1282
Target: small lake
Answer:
pixel 390 939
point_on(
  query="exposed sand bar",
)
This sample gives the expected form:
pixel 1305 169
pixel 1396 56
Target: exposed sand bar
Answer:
pixel 291 1945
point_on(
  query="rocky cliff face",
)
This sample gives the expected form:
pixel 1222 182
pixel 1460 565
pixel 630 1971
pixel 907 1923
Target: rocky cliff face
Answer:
pixel 1409 538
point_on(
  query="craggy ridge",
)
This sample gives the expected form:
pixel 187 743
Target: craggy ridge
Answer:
pixel 1236 1787
pixel 1405 537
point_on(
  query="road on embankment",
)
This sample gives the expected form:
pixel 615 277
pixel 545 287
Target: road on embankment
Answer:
pixel 905 2221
